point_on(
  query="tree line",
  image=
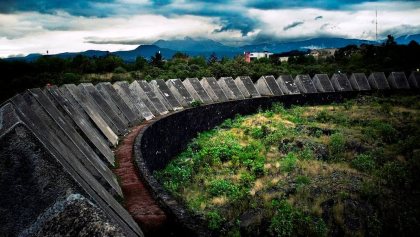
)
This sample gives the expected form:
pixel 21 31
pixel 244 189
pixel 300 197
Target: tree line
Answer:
pixel 20 75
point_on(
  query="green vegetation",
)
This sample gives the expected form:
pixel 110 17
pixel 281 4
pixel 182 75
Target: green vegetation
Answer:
pixel 19 75
pixel 341 169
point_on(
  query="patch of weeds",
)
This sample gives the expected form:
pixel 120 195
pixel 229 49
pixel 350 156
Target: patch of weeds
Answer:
pixel 306 154
pixel 247 179
pixel 363 162
pixel 348 104
pixel 221 187
pixel 228 123
pixel 288 163
pixel 289 221
pixel 394 174
pixel 302 180
pixel 214 220
pixel 336 146
pixel 386 108
pixel 278 108
pixel 196 103
pixel 259 133
pixel 323 116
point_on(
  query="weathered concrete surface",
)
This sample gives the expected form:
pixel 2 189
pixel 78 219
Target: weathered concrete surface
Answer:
pixel 322 83
pixel 91 108
pixel 305 84
pixel 107 105
pixel 135 104
pixel 213 89
pixel 287 85
pixel 246 86
pixel 230 89
pixel 74 141
pixel 378 81
pixel 120 122
pixel 82 122
pixel 161 108
pixel 160 88
pixel 73 216
pixel 57 163
pixel 180 92
pixel 139 95
pixel 340 82
pixel 359 82
pixel 267 85
pixel 397 80
pixel 414 80
pixel 107 90
pixel 196 90
pixel 30 177
pixel 70 92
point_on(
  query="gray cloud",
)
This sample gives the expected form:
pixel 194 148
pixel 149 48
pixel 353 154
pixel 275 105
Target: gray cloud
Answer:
pixel 293 25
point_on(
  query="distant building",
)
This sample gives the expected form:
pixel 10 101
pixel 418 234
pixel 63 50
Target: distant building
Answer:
pixel 250 56
pixel 322 53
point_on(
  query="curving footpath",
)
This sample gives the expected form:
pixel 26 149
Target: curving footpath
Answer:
pixel 79 159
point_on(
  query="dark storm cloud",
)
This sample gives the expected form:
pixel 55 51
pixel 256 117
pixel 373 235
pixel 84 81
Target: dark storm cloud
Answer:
pixel 73 7
pixel 293 25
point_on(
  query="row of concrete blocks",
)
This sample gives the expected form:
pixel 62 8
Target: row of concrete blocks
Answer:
pixel 62 136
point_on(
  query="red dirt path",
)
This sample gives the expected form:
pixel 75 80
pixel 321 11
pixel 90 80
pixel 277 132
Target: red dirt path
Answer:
pixel 137 198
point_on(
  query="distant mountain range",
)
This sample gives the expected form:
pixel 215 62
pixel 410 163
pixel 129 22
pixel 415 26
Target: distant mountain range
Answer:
pixel 205 47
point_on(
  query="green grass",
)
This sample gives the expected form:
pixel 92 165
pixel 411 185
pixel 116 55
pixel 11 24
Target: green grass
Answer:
pixel 307 170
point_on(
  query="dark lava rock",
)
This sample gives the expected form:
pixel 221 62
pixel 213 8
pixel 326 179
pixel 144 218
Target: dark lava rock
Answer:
pixel 250 222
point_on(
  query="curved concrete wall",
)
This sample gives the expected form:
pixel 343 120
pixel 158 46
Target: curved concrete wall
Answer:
pixel 55 143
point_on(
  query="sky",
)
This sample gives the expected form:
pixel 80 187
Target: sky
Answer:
pixel 38 26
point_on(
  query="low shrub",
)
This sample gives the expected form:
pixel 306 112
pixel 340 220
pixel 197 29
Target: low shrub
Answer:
pixel 288 163
pixel 363 162
pixel 336 146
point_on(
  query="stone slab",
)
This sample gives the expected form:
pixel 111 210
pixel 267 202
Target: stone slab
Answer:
pixel 267 86
pixel 107 90
pixel 93 114
pixel 246 86
pixel 161 108
pixel 180 92
pixel 378 81
pixel 230 89
pixel 88 103
pixel 359 82
pixel 287 85
pixel 340 82
pixel 322 83
pixel 196 90
pixel 97 121
pixel 397 80
pixel 86 155
pixel 213 89
pixel 136 105
pixel 414 80
pixel 305 84
pixel 52 170
pixel 139 95
pixel 161 89
pixel 83 123
pixel 104 106
pixel 109 103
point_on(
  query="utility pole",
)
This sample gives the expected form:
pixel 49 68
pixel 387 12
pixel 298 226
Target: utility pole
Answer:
pixel 376 22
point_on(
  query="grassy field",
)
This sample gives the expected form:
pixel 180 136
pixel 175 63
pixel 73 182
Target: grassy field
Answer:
pixel 349 169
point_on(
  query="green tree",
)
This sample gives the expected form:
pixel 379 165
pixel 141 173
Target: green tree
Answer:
pixel 157 60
